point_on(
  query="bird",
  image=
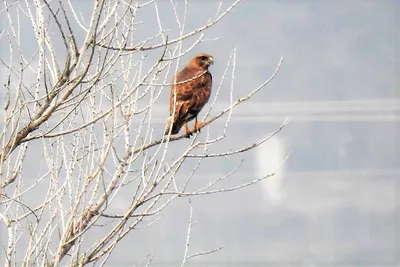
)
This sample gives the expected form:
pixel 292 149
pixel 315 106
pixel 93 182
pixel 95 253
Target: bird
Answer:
pixel 190 91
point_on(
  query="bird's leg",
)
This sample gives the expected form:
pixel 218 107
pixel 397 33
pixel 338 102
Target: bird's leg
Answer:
pixel 187 130
pixel 197 125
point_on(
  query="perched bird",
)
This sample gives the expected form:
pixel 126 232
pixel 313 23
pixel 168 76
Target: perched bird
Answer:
pixel 190 91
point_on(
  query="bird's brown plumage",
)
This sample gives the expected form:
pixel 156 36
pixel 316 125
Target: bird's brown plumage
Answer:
pixel 192 88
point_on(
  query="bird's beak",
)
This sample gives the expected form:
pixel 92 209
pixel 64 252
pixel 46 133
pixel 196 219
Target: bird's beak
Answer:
pixel 211 60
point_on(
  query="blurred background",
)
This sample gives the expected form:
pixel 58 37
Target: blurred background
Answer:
pixel 334 201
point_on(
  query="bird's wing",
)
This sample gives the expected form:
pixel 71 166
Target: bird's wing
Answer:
pixel 191 95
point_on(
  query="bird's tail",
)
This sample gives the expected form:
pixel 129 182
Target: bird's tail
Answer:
pixel 176 127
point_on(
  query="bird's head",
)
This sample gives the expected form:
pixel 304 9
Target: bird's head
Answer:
pixel 203 60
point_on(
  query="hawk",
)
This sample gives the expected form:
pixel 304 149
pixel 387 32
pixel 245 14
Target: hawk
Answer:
pixel 190 91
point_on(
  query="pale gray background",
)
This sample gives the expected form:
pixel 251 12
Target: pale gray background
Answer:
pixel 337 201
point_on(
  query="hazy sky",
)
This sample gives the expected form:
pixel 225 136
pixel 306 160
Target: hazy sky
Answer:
pixel 334 50
pixel 340 182
pixel 340 185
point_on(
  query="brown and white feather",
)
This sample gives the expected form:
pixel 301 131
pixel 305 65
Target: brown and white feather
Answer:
pixel 190 91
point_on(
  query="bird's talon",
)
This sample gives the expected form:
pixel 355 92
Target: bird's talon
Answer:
pixel 197 126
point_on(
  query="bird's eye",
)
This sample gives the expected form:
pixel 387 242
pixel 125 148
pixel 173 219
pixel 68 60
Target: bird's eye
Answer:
pixel 203 58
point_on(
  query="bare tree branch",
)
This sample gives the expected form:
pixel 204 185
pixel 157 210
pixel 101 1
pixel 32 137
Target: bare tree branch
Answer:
pixel 80 151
